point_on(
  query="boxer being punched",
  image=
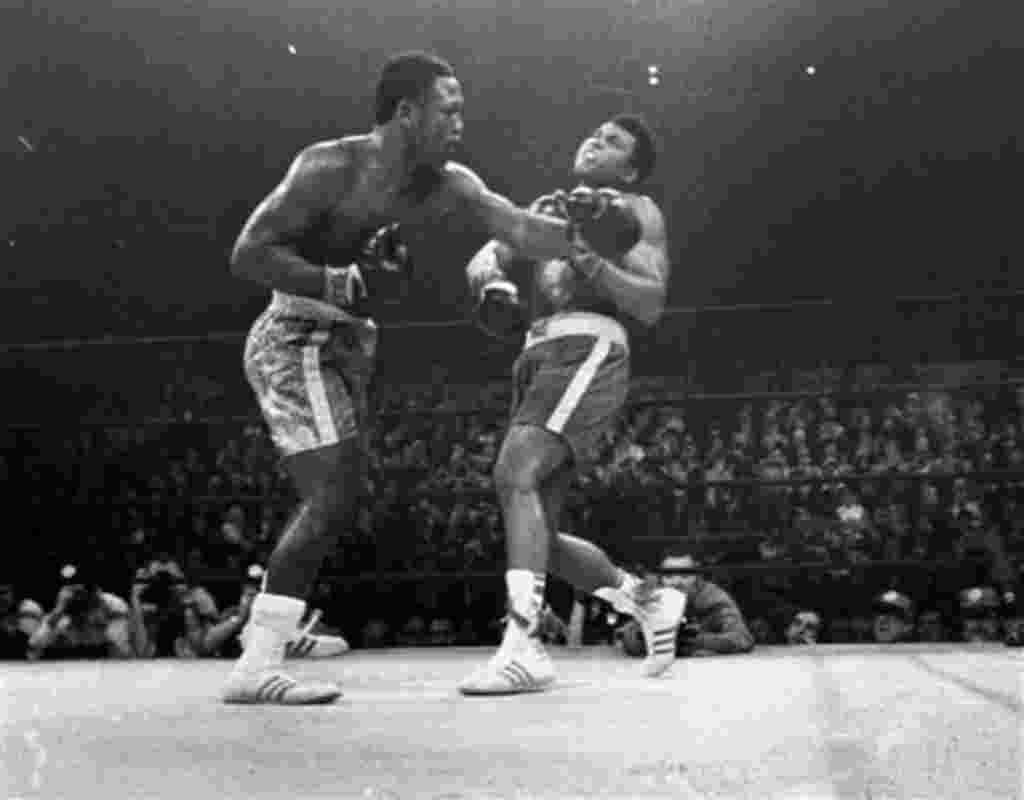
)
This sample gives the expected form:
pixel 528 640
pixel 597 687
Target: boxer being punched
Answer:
pixel 570 382
pixel 327 242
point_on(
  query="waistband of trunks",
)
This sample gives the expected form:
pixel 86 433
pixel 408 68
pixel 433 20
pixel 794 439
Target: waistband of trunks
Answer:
pixel 292 305
pixel 576 323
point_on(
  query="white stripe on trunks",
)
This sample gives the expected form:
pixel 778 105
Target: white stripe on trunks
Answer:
pixel 327 431
pixel 579 384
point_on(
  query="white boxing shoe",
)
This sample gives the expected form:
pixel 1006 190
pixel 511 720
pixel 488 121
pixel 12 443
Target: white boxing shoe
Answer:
pixel 521 665
pixel 275 688
pixel 314 645
pixel 304 644
pixel 660 612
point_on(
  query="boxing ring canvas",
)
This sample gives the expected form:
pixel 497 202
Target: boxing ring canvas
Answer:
pixel 832 721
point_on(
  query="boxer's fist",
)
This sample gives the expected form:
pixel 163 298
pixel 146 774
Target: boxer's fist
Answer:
pixel 380 276
pixel 386 267
pixel 500 313
pixel 554 204
pixel 386 251
pixel 605 220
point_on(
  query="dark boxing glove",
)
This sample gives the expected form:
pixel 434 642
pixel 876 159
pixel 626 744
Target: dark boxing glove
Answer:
pixel 499 312
pixel 380 276
pixel 604 220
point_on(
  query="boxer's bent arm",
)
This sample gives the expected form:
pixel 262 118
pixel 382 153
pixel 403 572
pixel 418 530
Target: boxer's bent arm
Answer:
pixel 534 236
pixel 262 252
pixel 638 282
pixel 487 266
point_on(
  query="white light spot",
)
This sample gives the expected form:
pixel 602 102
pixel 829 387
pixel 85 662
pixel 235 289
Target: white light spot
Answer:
pixel 654 80
pixel 292 50
pixel 811 70
pixel 652 69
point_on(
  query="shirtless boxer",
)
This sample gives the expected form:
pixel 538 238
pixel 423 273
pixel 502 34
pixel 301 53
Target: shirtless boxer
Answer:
pixel 325 241
pixel 570 382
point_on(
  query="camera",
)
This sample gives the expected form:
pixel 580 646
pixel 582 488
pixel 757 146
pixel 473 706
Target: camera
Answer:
pixel 162 585
pixel 82 600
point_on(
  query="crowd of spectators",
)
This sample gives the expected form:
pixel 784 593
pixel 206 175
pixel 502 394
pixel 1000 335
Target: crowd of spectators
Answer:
pixel 898 477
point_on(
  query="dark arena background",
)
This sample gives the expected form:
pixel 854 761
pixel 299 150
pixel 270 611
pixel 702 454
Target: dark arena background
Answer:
pixel 828 419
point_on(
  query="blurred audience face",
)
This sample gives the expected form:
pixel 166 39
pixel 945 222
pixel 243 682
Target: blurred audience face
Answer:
pixel 890 627
pixel 930 627
pixel 686 581
pixel 804 628
pixel 981 629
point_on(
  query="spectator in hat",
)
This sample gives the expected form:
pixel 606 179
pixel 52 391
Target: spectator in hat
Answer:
pixel 714 624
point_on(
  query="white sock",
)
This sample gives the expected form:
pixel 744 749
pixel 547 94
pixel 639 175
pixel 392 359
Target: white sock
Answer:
pixel 526 594
pixel 273 619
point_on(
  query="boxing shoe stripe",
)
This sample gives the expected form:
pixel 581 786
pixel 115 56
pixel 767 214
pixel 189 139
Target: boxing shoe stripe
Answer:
pixel 274 687
pixel 525 678
pixel 513 677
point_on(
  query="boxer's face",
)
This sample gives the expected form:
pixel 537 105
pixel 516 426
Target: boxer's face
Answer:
pixel 436 124
pixel 603 158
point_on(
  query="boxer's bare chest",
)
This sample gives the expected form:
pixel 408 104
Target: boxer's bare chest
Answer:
pixel 371 201
pixel 559 287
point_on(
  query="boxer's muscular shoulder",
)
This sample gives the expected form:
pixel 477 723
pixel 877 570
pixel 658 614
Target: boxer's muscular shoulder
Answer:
pixel 322 172
pixel 651 217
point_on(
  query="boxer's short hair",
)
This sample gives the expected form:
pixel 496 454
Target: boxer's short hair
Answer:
pixel 645 150
pixel 407 76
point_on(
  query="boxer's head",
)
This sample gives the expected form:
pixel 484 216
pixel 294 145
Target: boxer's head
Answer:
pixel 419 94
pixel 621 153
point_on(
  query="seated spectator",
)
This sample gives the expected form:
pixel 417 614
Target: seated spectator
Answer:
pixel 763 631
pixel 979 614
pixel 86 622
pixel 714 623
pixel 376 633
pixel 805 628
pixel 893 617
pixel 413 633
pixel 931 627
pixel 170 618
pixel 19 619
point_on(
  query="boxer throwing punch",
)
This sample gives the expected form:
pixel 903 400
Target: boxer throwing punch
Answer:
pixel 327 242
pixel 570 382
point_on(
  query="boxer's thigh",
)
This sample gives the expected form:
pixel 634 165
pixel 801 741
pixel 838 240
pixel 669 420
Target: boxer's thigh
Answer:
pixel 576 391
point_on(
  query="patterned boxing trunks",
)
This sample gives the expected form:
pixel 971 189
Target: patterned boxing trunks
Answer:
pixel 310 377
pixel 572 378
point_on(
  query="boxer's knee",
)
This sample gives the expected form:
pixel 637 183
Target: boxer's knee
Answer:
pixel 529 457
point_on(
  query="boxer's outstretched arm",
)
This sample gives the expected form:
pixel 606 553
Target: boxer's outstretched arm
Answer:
pixel 533 236
pixel 262 253
pixel 638 282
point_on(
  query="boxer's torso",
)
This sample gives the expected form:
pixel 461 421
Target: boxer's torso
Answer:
pixel 559 288
pixel 370 198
